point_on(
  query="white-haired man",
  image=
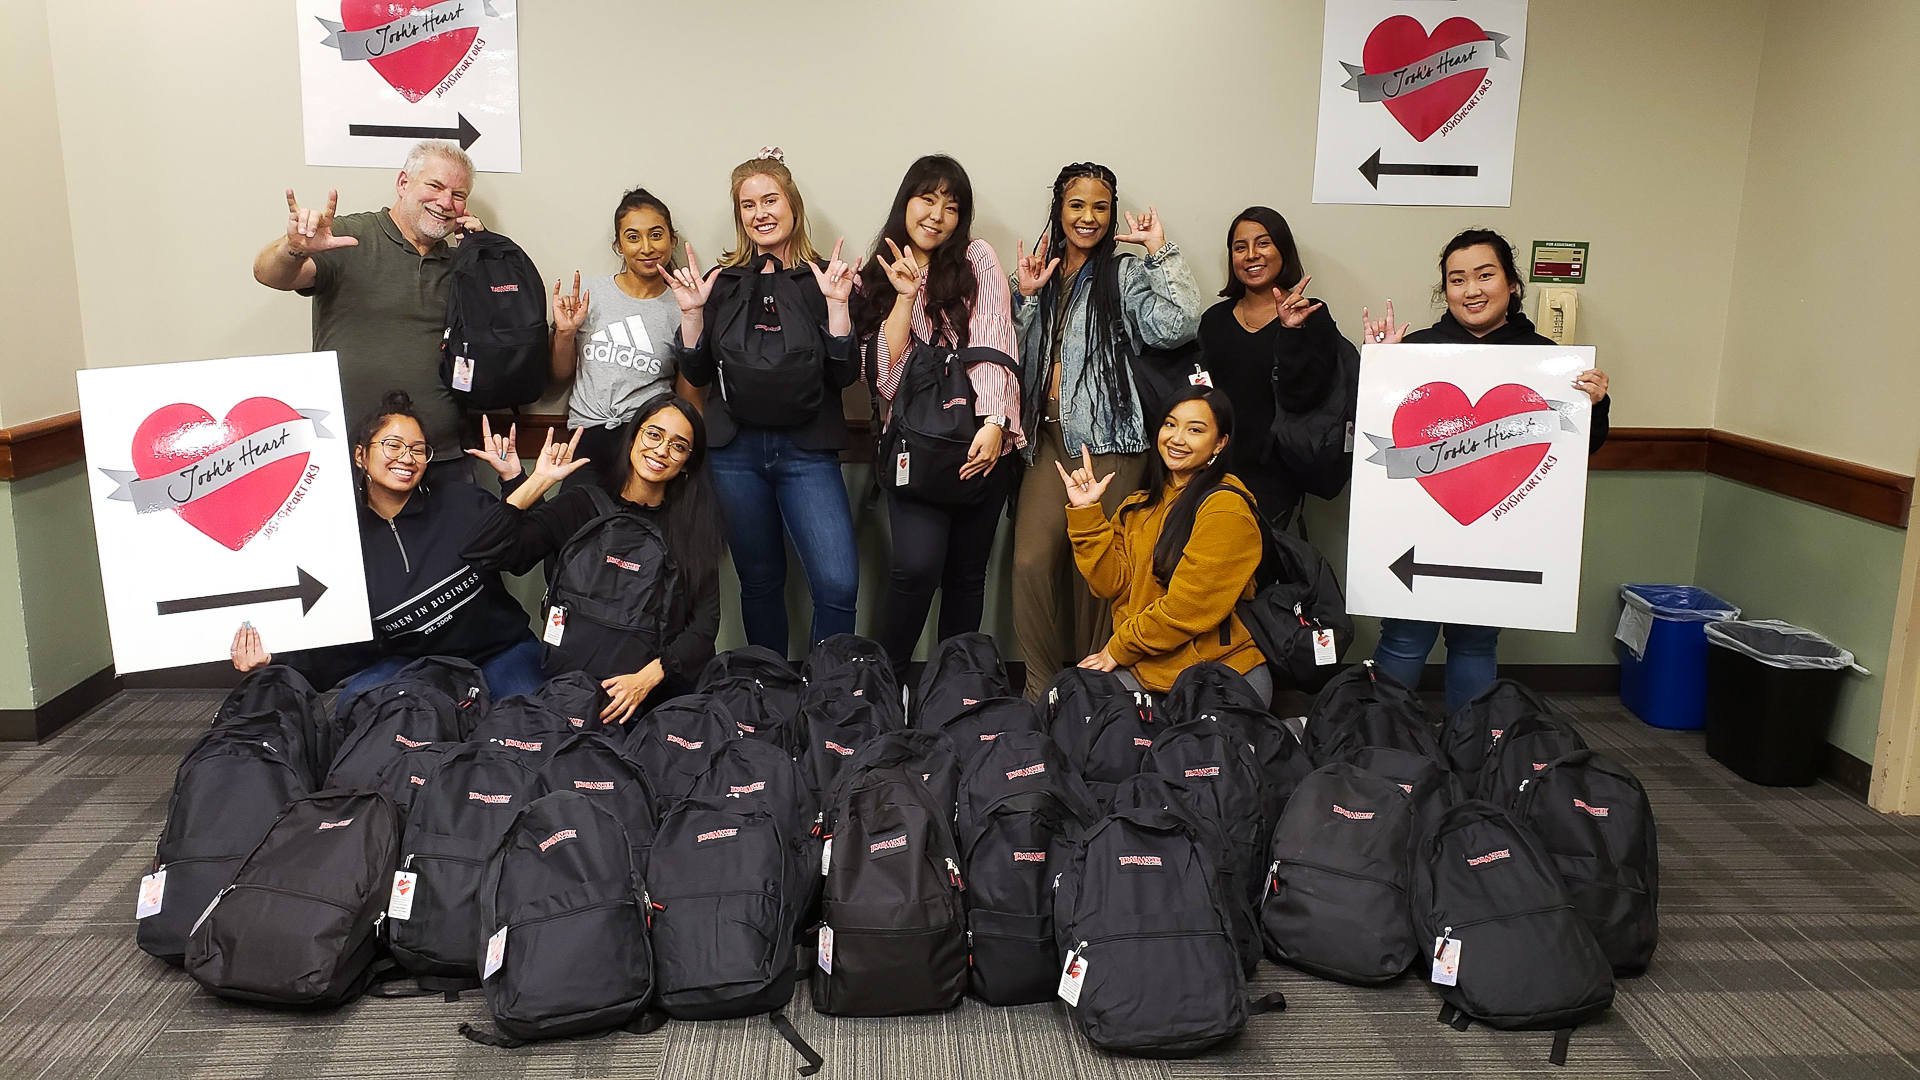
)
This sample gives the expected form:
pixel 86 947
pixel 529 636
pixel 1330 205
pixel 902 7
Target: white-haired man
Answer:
pixel 379 285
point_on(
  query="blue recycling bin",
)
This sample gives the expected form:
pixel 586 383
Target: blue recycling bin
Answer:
pixel 1662 643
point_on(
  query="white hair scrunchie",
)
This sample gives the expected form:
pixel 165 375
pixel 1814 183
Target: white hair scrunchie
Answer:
pixel 773 152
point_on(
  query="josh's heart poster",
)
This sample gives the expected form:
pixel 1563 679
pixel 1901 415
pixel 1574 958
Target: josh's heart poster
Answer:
pixel 222 493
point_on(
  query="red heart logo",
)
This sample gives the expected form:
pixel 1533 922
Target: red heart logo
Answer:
pixel 175 436
pixel 1400 41
pixel 416 70
pixel 1440 410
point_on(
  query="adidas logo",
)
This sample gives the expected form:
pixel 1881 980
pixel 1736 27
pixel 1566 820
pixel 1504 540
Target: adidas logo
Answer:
pixel 625 343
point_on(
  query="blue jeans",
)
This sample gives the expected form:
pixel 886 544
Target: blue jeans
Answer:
pixel 771 489
pixel 1471 664
pixel 519 670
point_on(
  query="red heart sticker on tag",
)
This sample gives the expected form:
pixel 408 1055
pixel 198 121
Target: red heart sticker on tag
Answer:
pixel 175 436
pixel 1441 410
pixel 1400 41
pixel 417 69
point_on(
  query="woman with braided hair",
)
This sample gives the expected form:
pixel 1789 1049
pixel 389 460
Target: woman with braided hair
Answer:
pixel 1084 312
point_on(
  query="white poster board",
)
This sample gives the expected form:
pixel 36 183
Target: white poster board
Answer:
pixel 373 83
pixel 1469 484
pixel 222 492
pixel 1419 101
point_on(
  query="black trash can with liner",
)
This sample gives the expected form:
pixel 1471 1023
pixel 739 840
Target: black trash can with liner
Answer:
pixel 1772 689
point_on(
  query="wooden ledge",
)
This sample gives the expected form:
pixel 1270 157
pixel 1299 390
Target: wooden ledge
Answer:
pixel 40 446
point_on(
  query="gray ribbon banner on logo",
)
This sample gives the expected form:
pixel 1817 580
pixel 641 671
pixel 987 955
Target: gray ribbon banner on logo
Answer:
pixel 1422 73
pixel 404 33
pixel 1474 444
pixel 171 491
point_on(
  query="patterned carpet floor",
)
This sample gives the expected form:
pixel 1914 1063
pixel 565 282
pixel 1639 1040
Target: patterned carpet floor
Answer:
pixel 1790 947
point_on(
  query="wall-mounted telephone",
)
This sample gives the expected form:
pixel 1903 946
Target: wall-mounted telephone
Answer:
pixel 1558 308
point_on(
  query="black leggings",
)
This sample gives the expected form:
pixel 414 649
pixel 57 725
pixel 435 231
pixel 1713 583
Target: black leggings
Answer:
pixel 945 548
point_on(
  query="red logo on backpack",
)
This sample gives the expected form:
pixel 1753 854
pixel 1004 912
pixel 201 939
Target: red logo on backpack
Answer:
pixel 1491 856
pixel 1596 811
pixel 563 834
pixel 1354 815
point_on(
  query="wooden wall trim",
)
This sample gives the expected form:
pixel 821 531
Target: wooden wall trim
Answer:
pixel 40 446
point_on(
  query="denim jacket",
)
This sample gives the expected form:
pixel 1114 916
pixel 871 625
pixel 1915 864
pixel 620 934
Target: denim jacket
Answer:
pixel 1161 308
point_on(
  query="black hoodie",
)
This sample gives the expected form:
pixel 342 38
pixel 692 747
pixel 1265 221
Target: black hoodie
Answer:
pixel 1517 330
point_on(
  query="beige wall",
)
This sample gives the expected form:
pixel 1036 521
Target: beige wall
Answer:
pixel 1200 113
pixel 1820 347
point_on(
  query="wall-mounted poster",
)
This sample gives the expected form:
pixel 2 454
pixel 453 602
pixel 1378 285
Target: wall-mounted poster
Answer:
pixel 1469 484
pixel 222 493
pixel 377 76
pixel 1418 102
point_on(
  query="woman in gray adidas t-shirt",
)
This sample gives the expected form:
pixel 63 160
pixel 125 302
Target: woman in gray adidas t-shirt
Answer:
pixel 614 337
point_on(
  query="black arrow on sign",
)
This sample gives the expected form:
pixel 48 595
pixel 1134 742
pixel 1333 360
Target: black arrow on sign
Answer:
pixel 1373 169
pixel 307 591
pixel 466 133
pixel 1406 570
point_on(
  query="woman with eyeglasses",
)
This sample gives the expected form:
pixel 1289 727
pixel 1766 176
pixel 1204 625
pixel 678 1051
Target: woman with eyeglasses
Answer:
pixel 427 597
pixel 662 475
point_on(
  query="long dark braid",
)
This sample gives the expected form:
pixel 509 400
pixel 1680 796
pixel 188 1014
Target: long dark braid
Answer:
pixel 1108 375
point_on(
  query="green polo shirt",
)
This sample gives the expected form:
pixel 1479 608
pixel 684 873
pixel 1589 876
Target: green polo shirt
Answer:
pixel 383 307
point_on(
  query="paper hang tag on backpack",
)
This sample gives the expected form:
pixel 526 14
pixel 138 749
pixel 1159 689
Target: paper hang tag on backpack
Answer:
pixel 1349 448
pixel 1446 961
pixel 556 625
pixel 901 462
pixel 400 900
pixel 1200 377
pixel 496 953
pixel 153 889
pixel 826 857
pixel 1323 651
pixel 463 373
pixel 1072 978
pixel 824 954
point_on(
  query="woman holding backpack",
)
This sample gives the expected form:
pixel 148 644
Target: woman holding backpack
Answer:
pixel 1482 289
pixel 1085 312
pixel 660 478
pixel 768 329
pixel 936 332
pixel 1176 557
pixel 427 597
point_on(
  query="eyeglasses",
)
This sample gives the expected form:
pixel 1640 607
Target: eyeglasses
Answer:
pixel 396 449
pixel 652 437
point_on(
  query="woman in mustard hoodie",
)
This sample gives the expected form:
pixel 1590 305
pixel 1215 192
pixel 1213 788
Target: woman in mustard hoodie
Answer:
pixel 1177 556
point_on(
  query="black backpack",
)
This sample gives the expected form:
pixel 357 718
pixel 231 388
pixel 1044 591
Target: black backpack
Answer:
pixel 1336 896
pixel 460 680
pixel 754 773
pixel 1141 916
pixel 960 671
pixel 1595 822
pixel 613 593
pixel 892 937
pixel 564 911
pixel 1020 804
pixel 1298 613
pixel 406 774
pixel 1430 785
pixel 758 715
pixel 308 732
pixel 300 924
pixel 1175 795
pixel 495 352
pixel 1523 750
pixel 861 666
pixel 1526 959
pixel 778 680
pixel 1221 778
pixel 1315 447
pixel 456 819
pixel 838 725
pixel 925 754
pixel 973 729
pixel 524 723
pixel 231 785
pixel 930 428
pixel 1472 729
pixel 1364 707
pixel 576 695
pixel 770 379
pixel 1346 692
pixel 597 765
pixel 676 742
pixel 387 721
pixel 1103 728
pixel 1213 691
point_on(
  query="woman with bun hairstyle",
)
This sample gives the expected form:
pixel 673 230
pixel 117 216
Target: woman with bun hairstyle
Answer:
pixel 659 473
pixel 1267 337
pixel 768 330
pixel 1084 310
pixel 1481 287
pixel 1176 557
pixel 428 598
pixel 931 285
pixel 614 337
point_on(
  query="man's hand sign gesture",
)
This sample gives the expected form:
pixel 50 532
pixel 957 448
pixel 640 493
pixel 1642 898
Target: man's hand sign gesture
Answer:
pixel 310 231
pixel 1082 488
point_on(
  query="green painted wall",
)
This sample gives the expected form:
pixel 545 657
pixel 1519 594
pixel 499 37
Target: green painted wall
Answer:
pixel 1780 558
pixel 16 675
pixel 60 595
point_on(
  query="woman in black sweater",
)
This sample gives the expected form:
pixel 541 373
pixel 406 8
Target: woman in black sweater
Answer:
pixel 662 476
pixel 1483 290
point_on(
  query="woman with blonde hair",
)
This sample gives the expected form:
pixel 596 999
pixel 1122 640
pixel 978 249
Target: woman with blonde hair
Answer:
pixel 768 330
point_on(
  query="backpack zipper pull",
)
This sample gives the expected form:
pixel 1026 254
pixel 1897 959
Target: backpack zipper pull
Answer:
pixel 953 875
